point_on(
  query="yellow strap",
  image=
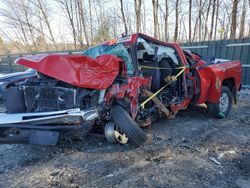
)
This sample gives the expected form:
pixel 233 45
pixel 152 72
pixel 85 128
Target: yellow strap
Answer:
pixel 156 93
pixel 149 67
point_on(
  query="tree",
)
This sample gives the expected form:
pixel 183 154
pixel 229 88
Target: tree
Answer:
pixel 155 15
pixel 198 20
pixel 27 11
pixel 218 2
pixel 144 20
pixel 206 20
pixel 165 12
pixel 1 41
pixel 123 17
pixel 234 19
pixel 249 24
pixel 176 20
pixel 74 11
pixel 41 4
pixel 242 19
pixel 83 21
pixel 29 25
pixel 137 4
pixel 68 8
pixel 19 19
pixel 41 43
pixel 190 20
pixel 212 18
pixel 90 20
pixel 225 20
pixel 103 33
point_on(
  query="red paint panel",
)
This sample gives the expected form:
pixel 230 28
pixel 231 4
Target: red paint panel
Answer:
pixel 131 90
pixel 78 70
pixel 212 77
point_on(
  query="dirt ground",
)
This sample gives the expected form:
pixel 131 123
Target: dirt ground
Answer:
pixel 192 150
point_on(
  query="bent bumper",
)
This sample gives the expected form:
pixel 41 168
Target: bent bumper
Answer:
pixel 50 117
pixel 44 128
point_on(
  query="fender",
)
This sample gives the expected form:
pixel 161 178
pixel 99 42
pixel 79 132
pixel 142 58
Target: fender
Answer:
pixel 212 77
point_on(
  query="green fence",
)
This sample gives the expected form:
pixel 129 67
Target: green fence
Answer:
pixel 237 49
pixel 7 62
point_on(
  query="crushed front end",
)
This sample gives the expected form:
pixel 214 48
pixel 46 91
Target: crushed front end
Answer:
pixel 40 108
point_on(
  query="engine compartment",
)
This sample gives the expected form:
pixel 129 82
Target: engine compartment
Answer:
pixel 46 94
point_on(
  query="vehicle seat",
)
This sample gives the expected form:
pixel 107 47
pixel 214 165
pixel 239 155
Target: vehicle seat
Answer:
pixel 148 60
pixel 165 63
pixel 168 62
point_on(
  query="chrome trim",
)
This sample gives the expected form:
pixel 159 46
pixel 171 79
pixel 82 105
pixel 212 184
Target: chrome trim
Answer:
pixel 87 115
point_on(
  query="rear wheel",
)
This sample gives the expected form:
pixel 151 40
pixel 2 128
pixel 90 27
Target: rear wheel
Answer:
pixel 222 107
pixel 127 125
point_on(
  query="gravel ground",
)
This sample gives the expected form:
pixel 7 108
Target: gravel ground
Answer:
pixel 192 150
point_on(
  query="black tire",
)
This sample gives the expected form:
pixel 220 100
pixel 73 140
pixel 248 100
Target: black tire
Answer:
pixel 128 126
pixel 215 110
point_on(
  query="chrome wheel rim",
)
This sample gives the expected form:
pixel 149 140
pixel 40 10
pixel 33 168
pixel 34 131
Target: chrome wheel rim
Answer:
pixel 224 102
pixel 114 135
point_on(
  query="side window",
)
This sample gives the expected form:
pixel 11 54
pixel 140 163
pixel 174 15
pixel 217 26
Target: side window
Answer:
pixel 167 53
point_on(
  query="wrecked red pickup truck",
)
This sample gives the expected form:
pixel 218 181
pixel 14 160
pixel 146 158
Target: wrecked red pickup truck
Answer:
pixel 114 88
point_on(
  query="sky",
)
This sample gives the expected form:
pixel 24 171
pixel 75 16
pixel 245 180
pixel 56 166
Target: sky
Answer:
pixel 63 34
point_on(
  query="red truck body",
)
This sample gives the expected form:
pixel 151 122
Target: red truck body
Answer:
pixel 127 81
pixel 99 73
pixel 214 76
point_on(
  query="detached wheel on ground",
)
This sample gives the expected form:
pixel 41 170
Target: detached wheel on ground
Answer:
pixel 222 108
pixel 127 125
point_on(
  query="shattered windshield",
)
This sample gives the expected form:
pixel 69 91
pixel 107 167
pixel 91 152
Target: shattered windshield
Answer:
pixel 115 49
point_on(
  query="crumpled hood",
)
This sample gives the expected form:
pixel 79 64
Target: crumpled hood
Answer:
pixel 78 70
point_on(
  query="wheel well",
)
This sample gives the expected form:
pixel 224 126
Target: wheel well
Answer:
pixel 230 83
